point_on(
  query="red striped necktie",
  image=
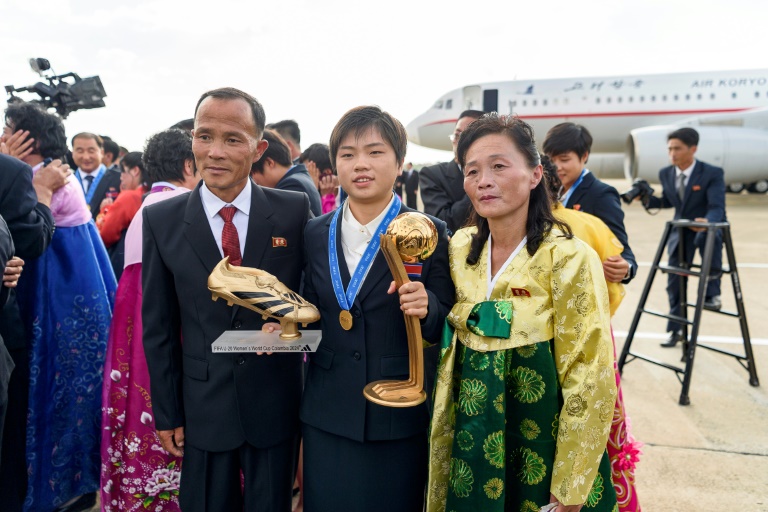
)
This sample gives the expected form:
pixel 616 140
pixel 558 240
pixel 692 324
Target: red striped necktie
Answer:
pixel 230 242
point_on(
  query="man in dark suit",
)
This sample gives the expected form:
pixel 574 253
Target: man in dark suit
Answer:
pixel 227 414
pixel 276 170
pixel 696 190
pixel 359 455
pixel 410 185
pixel 98 182
pixel 442 185
pixel 568 146
pixel 6 362
pixel 25 205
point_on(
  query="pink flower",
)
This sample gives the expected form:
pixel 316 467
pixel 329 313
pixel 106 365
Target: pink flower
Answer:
pixel 162 479
pixel 629 456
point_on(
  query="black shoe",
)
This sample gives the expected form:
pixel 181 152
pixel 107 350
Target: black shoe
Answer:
pixel 674 337
pixel 84 502
pixel 713 303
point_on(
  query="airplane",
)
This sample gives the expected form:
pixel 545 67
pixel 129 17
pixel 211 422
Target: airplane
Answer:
pixel 629 118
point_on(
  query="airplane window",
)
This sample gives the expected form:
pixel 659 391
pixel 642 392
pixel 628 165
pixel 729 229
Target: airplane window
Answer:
pixel 565 101
pixel 675 97
pixel 757 94
pixel 608 99
pixel 630 99
pixel 733 95
pixel 544 103
pixel 438 104
pixel 533 103
pixel 514 103
pixel 712 96
pixel 653 98
pixel 663 97
pixel 642 99
pixel 525 103
pixel 449 103
pixel 618 99
pixel 597 100
pixel 687 97
pixel 698 96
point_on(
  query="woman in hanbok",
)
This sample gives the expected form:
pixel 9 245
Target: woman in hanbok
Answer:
pixel 623 449
pixel 65 298
pixel 136 473
pixel 525 386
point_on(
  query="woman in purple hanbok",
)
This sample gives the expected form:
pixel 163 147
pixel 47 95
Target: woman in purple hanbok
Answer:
pixel 136 473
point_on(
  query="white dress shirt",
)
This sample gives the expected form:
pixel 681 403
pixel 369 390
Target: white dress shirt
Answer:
pixel 687 172
pixel 355 236
pixel 93 173
pixel 212 205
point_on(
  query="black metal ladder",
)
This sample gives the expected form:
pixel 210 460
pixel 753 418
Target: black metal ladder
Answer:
pixel 703 273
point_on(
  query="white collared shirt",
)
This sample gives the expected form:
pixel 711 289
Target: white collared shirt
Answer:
pixel 492 279
pixel 212 205
pixel 93 173
pixel 355 236
pixel 687 172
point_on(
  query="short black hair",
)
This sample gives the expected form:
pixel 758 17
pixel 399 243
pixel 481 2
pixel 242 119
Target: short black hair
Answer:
pixel 360 119
pixel 288 129
pixel 134 159
pixel 566 137
pixel 89 135
pixel 318 153
pixel 474 114
pixel 277 150
pixel 110 146
pixel 687 136
pixel 46 128
pixel 230 93
pixel 165 154
pixel 185 124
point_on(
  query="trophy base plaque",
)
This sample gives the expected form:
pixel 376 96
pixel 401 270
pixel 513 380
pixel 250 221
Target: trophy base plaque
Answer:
pixel 394 393
pixel 258 341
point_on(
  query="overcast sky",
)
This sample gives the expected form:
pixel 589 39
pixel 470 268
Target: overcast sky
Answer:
pixel 313 60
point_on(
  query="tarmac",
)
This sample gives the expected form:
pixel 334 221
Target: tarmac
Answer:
pixel 713 453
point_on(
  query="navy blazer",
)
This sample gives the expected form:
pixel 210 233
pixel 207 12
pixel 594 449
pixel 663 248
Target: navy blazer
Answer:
pixel 374 349
pixel 223 399
pixel 110 182
pixel 31 225
pixel 704 196
pixel 602 200
pixel 298 179
pixel 442 191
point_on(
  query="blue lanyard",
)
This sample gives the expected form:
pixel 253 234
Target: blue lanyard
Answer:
pixel 94 184
pixel 346 300
pixel 568 194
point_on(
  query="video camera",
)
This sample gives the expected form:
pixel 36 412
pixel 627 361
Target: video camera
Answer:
pixel 640 188
pixel 65 97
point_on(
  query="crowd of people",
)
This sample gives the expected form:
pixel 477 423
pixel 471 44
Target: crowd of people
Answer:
pixel 108 382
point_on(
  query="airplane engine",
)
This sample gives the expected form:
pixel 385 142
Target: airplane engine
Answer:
pixel 741 152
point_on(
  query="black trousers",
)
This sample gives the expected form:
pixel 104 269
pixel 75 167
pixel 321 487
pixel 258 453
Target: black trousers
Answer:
pixel 13 469
pixel 692 242
pixel 374 476
pixel 211 481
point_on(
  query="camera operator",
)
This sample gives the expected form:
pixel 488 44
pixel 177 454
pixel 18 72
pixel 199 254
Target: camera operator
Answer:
pixel 696 190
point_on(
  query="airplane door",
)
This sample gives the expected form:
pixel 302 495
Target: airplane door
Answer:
pixel 491 100
pixel 473 97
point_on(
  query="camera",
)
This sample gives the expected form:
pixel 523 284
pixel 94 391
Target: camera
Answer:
pixel 65 97
pixel 640 188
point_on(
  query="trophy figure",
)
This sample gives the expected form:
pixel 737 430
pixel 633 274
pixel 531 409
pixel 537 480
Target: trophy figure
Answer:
pixel 263 293
pixel 410 238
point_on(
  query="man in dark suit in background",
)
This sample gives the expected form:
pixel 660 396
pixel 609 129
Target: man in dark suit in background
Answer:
pixel 276 170
pixel 696 190
pixel 291 134
pixel 226 414
pixel 410 185
pixel 97 181
pixel 568 146
pixel 25 205
pixel 442 185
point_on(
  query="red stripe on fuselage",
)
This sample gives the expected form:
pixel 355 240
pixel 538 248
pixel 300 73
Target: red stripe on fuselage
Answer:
pixel 616 114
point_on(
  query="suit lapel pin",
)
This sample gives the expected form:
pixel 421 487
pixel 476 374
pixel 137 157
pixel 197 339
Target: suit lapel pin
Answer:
pixel 278 241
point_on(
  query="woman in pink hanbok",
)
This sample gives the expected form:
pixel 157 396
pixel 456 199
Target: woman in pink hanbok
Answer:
pixel 136 473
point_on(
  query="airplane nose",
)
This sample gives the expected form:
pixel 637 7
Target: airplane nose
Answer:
pixel 413 132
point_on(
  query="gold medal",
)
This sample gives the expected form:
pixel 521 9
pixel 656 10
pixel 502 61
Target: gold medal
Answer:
pixel 345 319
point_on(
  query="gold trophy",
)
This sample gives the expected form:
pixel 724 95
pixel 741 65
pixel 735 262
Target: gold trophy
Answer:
pixel 263 293
pixel 410 238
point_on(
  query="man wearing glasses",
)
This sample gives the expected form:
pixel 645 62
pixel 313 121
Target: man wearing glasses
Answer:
pixel 442 185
